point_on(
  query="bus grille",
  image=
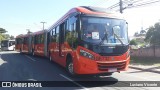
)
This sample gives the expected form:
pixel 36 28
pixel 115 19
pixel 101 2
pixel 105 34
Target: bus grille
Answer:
pixel 106 66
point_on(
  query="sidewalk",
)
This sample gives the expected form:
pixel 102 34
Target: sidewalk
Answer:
pixel 152 68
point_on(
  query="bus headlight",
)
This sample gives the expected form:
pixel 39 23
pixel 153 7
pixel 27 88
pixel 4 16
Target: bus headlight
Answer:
pixel 86 54
pixel 128 54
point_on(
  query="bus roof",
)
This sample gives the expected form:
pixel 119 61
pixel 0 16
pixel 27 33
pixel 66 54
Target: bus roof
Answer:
pixel 34 33
pixel 22 35
pixel 39 32
pixel 90 11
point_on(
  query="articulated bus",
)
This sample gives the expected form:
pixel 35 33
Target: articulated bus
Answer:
pixel 32 43
pixel 86 40
pixel 39 43
pixel 7 45
pixel 23 43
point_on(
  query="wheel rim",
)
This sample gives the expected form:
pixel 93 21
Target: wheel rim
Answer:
pixel 70 68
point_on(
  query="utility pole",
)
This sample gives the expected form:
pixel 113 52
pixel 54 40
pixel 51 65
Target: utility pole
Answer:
pixel 43 24
pixel 121 6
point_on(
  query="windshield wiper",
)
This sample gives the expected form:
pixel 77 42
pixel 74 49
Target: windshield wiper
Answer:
pixel 118 38
pixel 104 38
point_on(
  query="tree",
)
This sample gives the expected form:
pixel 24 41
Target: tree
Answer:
pixel 12 37
pixel 2 30
pixel 153 35
pixel 1 33
pixel 133 42
pixel 136 34
pixel 143 32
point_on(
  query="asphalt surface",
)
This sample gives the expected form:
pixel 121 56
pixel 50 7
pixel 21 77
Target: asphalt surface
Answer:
pixel 21 67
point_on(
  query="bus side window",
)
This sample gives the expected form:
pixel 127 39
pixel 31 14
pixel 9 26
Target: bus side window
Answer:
pixel 36 39
pixel 10 43
pixel 71 32
pixel 39 39
pixel 24 41
pixel 42 38
pixel 57 34
pixel 62 32
pixel 13 43
pixel 50 36
pixel 33 40
pixel 52 33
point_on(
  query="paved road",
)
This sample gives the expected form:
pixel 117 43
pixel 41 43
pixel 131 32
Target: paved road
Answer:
pixel 21 67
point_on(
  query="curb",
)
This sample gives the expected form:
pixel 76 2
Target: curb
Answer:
pixel 149 70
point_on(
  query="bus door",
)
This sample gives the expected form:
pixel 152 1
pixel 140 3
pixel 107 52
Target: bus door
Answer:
pixel 61 40
pixel 30 44
pixel 25 45
pixel 46 43
pixel 58 51
pixel 40 45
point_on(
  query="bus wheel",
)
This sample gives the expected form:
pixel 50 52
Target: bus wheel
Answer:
pixel 70 68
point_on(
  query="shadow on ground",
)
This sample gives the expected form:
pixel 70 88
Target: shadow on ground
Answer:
pixel 19 68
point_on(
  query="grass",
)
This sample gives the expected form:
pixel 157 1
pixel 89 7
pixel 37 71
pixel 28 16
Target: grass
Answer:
pixel 147 61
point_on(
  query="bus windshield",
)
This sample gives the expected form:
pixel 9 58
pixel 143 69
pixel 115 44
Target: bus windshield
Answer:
pixel 104 31
pixel 4 43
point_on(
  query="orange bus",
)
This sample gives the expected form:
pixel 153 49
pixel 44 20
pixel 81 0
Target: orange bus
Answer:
pixel 39 43
pixel 86 40
pixel 23 43
pixel 32 43
pixel 90 40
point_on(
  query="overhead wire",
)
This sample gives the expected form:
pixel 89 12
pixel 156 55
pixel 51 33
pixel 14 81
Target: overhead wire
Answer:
pixel 134 4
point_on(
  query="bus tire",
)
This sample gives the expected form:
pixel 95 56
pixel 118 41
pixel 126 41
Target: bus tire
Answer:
pixel 69 66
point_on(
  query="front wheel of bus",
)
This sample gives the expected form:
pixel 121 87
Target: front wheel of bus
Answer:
pixel 70 68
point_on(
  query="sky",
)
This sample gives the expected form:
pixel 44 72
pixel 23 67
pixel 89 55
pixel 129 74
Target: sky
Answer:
pixel 18 15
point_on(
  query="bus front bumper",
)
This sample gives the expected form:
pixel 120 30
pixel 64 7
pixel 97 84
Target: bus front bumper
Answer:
pixel 84 66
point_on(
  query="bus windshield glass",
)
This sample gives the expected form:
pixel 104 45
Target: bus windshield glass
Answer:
pixel 104 31
pixel 4 43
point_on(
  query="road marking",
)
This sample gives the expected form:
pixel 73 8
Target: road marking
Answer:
pixel 73 81
pixel 30 58
pixel 2 61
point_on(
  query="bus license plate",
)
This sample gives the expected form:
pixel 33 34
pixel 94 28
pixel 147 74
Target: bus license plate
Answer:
pixel 112 69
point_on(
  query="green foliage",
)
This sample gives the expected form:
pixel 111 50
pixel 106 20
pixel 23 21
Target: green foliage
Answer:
pixel 12 37
pixel 136 34
pixel 153 35
pixel 4 36
pixel 2 30
pixel 133 42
